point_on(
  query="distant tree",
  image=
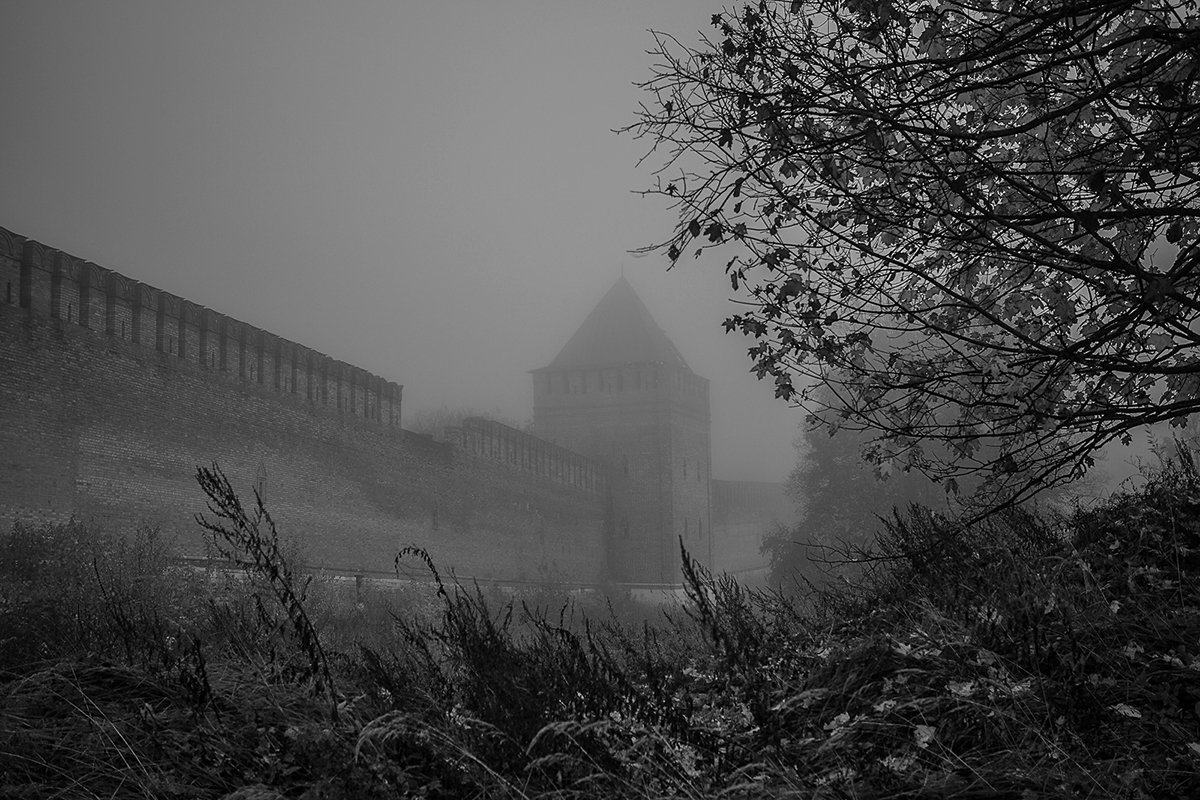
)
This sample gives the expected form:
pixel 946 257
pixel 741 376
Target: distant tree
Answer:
pixel 977 221
pixel 841 500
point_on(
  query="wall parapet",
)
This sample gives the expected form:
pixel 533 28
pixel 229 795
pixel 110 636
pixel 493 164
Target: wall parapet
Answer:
pixel 48 283
pixel 485 438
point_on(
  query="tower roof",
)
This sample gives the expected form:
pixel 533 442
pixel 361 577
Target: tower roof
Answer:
pixel 619 330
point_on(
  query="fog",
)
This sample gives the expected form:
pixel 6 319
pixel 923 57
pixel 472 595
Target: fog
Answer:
pixel 431 191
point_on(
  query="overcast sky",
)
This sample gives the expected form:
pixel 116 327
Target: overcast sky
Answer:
pixel 430 191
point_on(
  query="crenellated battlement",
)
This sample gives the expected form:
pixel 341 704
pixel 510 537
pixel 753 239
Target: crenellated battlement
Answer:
pixel 484 438
pixel 50 284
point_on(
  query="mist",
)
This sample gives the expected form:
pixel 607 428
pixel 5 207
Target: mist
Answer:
pixel 432 192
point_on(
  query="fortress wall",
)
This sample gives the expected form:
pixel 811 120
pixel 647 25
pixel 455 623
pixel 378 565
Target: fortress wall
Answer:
pixel 118 316
pixel 50 283
pixel 10 267
pixel 486 438
pixel 110 428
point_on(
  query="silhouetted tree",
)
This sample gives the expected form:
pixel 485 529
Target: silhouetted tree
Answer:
pixel 841 499
pixel 977 222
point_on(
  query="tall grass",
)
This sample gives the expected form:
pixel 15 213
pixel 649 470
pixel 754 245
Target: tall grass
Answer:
pixel 247 539
pixel 1021 658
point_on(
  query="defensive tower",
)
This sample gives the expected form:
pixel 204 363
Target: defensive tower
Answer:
pixel 620 393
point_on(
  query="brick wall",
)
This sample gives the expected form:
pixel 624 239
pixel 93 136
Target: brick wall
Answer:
pixel 486 438
pixel 97 425
pixel 10 267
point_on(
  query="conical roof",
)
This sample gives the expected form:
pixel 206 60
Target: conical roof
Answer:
pixel 619 330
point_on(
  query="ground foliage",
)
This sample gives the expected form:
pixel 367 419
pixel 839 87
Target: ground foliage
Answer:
pixel 1016 658
pixel 976 221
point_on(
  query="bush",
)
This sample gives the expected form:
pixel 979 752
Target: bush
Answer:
pixel 70 591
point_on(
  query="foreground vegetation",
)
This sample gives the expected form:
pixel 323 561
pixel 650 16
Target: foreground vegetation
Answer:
pixel 1023 658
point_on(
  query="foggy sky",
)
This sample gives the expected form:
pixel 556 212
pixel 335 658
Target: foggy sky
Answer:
pixel 430 191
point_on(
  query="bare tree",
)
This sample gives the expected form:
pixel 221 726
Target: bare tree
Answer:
pixel 974 220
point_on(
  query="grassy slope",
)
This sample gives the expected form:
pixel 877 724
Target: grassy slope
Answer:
pixel 1020 659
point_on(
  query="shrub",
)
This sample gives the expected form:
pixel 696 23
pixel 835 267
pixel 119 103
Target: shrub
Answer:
pixel 69 591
